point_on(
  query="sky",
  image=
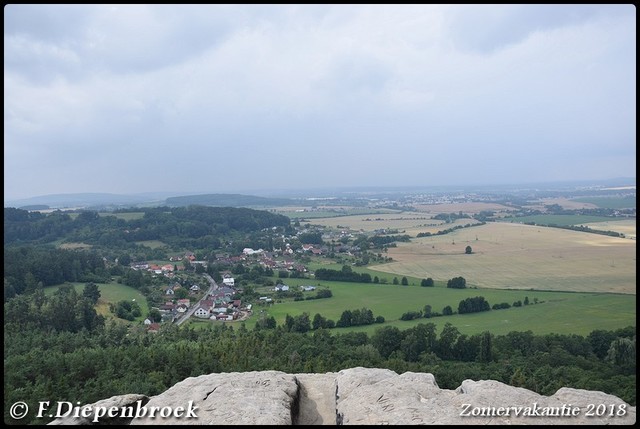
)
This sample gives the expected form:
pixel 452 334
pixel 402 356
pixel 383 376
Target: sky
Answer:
pixel 224 98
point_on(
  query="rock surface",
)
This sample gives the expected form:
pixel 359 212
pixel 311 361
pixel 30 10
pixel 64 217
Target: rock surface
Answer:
pixel 368 396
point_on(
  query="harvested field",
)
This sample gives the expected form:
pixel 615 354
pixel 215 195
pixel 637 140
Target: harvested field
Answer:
pixel 626 227
pixel 565 203
pixel 515 256
pixel 399 221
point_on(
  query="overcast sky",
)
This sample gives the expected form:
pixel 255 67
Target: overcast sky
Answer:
pixel 226 98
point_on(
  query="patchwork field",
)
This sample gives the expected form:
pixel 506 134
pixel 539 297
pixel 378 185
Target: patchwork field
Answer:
pixel 515 256
pixel 371 222
pixel 565 203
pixel 467 208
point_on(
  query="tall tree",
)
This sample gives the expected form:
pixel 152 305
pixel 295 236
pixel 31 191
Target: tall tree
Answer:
pixel 91 292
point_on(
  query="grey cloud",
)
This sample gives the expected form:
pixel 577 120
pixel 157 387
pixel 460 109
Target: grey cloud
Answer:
pixel 486 29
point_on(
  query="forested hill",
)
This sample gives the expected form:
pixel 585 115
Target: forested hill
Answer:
pixel 159 223
pixel 233 200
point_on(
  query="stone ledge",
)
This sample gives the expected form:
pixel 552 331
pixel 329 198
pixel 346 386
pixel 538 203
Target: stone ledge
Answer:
pixel 366 396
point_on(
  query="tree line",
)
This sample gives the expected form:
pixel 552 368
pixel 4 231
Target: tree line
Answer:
pixel 192 226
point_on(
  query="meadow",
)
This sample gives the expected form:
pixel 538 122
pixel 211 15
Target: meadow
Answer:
pixel 125 216
pixel 560 312
pixel 153 244
pixel 561 220
pixel 111 293
pixel 609 202
pixel 326 212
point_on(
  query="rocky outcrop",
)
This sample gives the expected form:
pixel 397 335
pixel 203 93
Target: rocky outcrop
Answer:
pixel 361 396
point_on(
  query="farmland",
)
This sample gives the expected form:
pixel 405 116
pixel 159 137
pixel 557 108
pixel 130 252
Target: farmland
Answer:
pixel 626 227
pixel 410 223
pixel 609 202
pixel 538 258
pixel 560 312
pixel 560 220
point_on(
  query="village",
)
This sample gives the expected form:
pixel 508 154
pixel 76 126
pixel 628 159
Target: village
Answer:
pixel 208 300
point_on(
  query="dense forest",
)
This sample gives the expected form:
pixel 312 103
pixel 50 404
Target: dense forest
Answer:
pixel 57 347
pixel 30 257
pixel 190 226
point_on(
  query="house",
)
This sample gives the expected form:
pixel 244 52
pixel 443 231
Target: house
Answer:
pixel 147 321
pixel 281 288
pixel 228 281
pixel 185 302
pixel 181 308
pixel 237 303
pixel 153 327
pixel 226 291
pixel 308 288
pixel 202 312
pixel 167 306
pixel 169 291
pixel 194 288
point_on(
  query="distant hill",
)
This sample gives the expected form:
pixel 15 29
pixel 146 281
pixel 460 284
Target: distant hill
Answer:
pixel 77 200
pixel 35 207
pixel 228 200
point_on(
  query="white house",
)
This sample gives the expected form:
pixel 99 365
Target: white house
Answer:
pixel 201 312
pixel 228 281
pixel 283 288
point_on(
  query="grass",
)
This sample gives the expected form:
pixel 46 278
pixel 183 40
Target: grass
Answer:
pixel 125 216
pixel 111 293
pixel 328 212
pixel 560 312
pixel 371 222
pixel 74 246
pixel 153 244
pixel 560 220
pixel 609 202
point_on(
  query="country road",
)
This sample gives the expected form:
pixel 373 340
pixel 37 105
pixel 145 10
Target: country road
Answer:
pixel 213 286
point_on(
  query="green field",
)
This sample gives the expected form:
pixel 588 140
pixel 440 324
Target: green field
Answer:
pixel 328 213
pixel 125 216
pixel 560 312
pixel 609 202
pixel 111 293
pixel 153 244
pixel 560 220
